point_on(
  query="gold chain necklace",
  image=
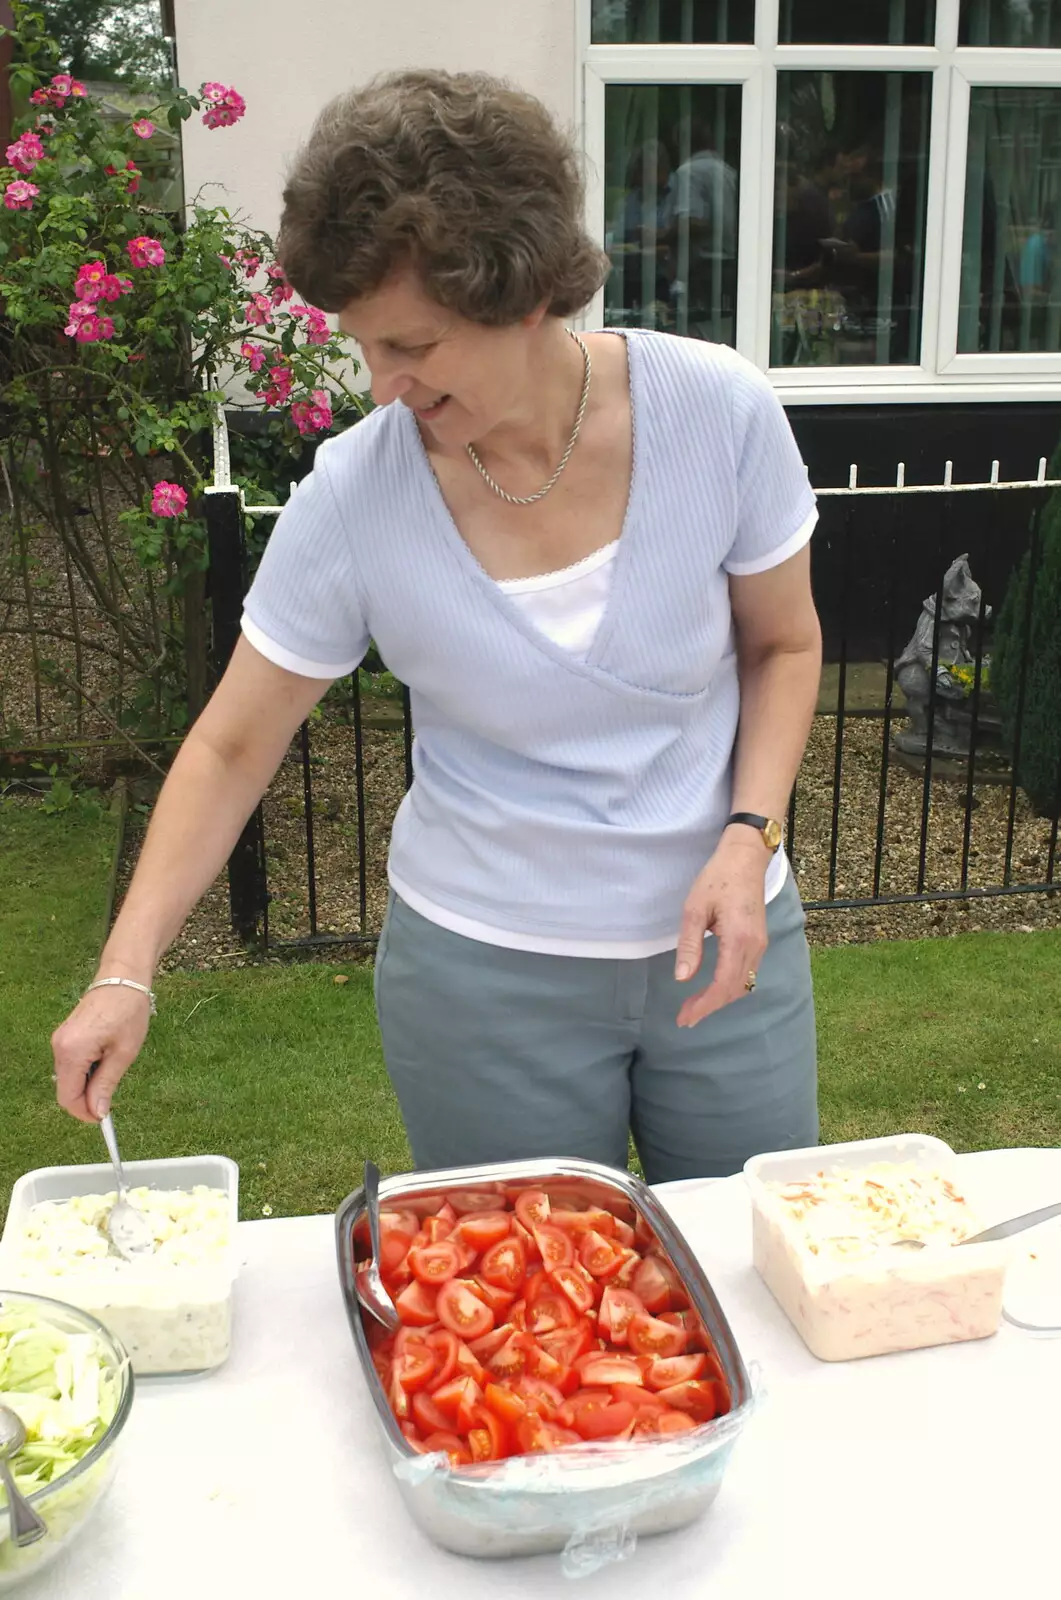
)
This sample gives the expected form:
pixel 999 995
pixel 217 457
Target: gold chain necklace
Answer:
pixel 529 499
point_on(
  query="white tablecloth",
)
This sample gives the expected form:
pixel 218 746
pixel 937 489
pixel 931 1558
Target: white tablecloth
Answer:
pixel 931 1474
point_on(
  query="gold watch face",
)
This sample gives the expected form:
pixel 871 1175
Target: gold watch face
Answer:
pixel 772 834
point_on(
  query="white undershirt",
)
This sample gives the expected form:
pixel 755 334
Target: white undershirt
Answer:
pixel 567 606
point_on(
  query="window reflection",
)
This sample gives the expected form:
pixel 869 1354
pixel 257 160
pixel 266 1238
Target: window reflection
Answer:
pixel 1011 271
pixel 673 155
pixel 852 160
pixel 673 21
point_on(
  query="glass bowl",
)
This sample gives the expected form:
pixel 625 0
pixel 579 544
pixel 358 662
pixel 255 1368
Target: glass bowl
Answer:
pixel 68 1502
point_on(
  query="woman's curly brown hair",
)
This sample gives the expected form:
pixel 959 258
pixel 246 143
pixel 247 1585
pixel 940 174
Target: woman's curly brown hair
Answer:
pixel 460 175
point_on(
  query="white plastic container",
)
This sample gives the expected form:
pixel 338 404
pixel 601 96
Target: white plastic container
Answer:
pixel 172 1321
pixel 894 1299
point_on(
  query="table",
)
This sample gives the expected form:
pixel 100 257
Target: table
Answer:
pixel 928 1474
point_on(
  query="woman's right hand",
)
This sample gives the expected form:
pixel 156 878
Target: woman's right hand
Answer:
pixel 107 1026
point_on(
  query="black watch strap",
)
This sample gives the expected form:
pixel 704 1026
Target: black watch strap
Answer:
pixel 762 825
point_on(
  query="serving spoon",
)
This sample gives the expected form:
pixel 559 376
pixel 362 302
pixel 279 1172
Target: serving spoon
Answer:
pixel 26 1526
pixel 128 1230
pixel 1001 1230
pixel 367 1278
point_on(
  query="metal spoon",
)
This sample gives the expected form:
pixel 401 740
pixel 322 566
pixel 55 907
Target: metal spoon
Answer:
pixel 26 1526
pixel 367 1279
pixel 127 1228
pixel 1001 1230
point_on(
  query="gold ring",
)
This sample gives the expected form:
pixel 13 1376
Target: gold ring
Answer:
pixel 750 983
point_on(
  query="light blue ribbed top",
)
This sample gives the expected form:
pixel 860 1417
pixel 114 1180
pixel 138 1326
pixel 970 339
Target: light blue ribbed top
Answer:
pixel 551 796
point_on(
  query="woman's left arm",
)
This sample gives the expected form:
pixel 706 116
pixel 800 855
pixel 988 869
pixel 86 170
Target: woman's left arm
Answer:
pixel 779 655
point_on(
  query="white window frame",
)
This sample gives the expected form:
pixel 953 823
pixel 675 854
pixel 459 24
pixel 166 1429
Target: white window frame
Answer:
pixel 941 374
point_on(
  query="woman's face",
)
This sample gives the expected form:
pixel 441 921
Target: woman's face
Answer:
pixel 459 378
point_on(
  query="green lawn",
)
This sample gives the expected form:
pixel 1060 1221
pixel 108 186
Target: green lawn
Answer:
pixel 280 1067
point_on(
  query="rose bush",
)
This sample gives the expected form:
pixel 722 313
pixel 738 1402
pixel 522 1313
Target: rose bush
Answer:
pixel 119 324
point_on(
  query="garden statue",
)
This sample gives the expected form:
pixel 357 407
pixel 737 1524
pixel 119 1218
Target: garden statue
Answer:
pixel 952 728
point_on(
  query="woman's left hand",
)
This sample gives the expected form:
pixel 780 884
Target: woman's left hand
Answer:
pixel 728 900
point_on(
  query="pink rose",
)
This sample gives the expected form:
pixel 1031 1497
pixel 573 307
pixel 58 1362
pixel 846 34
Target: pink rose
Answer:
pixel 258 310
pixel 112 286
pixel 226 261
pixel 88 285
pixel 168 499
pixel 63 84
pixel 317 330
pixel 77 314
pixel 253 354
pixel 313 415
pixel 145 252
pixel 279 391
pixel 87 327
pixel 24 154
pixel 40 97
pixel 78 90
pixel 223 106
pixel 143 128
pixel 20 195
pixel 248 261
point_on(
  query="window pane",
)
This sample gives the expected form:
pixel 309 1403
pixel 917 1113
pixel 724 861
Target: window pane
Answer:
pixel 673 21
pixel 864 22
pixel 849 218
pixel 1011 270
pixel 1013 24
pixel 672 158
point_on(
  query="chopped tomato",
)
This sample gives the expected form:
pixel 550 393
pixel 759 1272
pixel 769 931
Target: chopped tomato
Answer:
pixel 416 1305
pixel 450 1445
pixel 669 1370
pixel 506 1404
pixel 618 1308
pixel 678 1298
pixel 458 1401
pixel 541 1396
pixel 567 1344
pixel 579 1222
pixel 443 1342
pixel 410 1431
pixel 600 1418
pixel 437 1228
pixel 535 1435
pixel 651 1424
pixel 415 1367
pixel 481 1229
pixel 462 1311
pixel 550 1311
pixel 434 1263
pixel 604 1369
pixel 396 1229
pixel 650 1285
pixel 468 1365
pixel 462 1201
pixel 554 1245
pixel 482 1349
pixel 625 1275
pixel 642 1398
pixel 530 1243
pixel 399 1400
pixel 504 1264
pixel 647 1336
pixel 427 1415
pixel 532 1209
pixel 500 1301
pixel 577 1285
pixel 479 1444
pixel 699 1399
pixel 624 1234
pixel 510 1360
pixel 601 1257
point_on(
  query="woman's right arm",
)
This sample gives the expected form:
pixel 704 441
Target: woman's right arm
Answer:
pixel 217 779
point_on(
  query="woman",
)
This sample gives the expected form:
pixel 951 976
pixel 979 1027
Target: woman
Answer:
pixel 588 560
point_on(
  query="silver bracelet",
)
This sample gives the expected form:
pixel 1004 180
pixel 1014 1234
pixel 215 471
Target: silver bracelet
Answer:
pixel 128 983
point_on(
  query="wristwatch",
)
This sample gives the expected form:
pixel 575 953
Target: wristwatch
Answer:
pixel 771 831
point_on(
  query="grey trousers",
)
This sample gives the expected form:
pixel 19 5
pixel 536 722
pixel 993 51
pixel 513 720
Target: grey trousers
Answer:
pixel 500 1055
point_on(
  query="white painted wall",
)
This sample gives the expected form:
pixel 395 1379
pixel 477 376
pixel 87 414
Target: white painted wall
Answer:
pixel 288 58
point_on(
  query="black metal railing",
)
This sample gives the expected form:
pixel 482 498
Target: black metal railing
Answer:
pixel 868 824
